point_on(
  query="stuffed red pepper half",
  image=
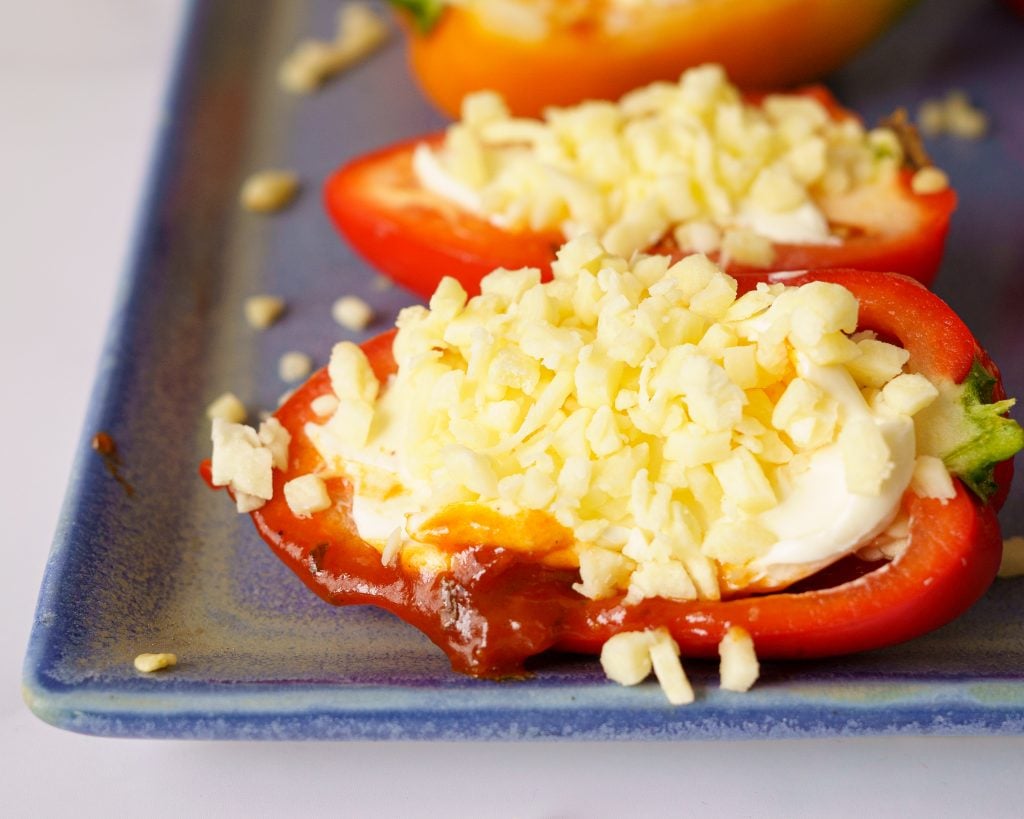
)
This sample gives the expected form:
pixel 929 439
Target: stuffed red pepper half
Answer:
pixel 643 448
pixel 778 182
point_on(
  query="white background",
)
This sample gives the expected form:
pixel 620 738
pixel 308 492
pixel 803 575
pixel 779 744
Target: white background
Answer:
pixel 81 85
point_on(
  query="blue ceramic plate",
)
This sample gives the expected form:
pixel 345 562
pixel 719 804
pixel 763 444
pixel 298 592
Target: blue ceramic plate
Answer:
pixel 167 566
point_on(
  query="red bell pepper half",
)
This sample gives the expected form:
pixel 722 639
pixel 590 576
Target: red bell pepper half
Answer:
pixel 496 607
pixel 416 236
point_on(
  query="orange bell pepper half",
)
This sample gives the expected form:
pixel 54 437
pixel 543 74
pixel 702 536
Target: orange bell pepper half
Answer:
pixel 454 50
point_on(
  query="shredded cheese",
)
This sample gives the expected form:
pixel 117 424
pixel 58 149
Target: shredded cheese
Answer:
pixel 689 161
pixel 148 663
pixel 954 115
pixel 681 433
pixel 306 495
pixel 361 31
pixel 929 180
pixel 628 658
pixel 244 459
pixel 739 668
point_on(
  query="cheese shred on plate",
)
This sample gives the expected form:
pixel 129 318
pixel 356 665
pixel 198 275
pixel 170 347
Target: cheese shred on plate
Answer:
pixel 632 419
pixel 689 163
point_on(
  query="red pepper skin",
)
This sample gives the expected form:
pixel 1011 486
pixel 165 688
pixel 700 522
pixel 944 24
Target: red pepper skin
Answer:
pixel 416 237
pixel 953 555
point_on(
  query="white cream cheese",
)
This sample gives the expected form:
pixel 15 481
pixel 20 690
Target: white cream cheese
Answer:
pixel 802 225
pixel 818 518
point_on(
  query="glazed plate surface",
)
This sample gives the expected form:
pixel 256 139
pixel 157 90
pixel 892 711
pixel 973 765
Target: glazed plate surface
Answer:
pixel 167 566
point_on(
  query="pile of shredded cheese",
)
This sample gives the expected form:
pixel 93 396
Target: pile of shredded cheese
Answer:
pixel 688 160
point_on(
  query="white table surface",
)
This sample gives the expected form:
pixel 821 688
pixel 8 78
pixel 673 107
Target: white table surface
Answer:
pixel 81 82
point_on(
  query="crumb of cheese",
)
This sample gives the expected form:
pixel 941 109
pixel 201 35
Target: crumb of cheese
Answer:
pixel 669 671
pixel 360 32
pixel 352 313
pixel 294 366
pixel 276 439
pixel 747 247
pixel 262 311
pixel 1012 564
pixel 931 117
pixel 244 459
pixel 931 479
pixel 306 495
pixel 324 405
pixel 909 393
pixel 228 407
pixel 953 115
pixel 628 657
pixel 392 548
pixel 929 180
pixel 148 663
pixel 269 191
pixel 739 667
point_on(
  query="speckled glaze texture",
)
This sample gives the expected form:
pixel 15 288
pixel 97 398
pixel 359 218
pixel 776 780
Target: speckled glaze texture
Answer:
pixel 172 568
